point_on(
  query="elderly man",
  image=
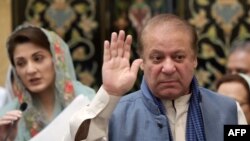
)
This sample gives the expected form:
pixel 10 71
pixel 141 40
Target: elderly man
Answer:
pixel 239 58
pixel 170 106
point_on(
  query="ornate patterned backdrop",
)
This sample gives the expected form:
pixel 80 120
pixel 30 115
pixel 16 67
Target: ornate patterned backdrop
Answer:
pixel 219 23
pixel 84 24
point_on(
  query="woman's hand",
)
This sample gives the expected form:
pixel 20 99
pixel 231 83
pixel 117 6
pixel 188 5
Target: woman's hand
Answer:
pixel 8 124
pixel 117 74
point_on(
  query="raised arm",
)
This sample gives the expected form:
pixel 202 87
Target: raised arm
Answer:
pixel 91 122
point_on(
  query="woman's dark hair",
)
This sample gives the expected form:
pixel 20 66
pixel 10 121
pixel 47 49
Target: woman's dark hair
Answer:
pixel 27 35
pixel 234 78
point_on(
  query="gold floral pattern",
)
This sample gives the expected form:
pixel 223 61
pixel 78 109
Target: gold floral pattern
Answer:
pixel 219 24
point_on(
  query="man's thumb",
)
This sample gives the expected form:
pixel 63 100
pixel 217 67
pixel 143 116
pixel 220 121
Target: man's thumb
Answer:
pixel 135 65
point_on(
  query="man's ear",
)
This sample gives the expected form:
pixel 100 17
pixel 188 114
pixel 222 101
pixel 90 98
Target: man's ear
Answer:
pixel 195 62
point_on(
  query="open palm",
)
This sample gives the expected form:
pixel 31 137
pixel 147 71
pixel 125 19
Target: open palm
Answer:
pixel 117 74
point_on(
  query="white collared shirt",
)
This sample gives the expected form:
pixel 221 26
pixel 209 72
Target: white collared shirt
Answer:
pixel 177 115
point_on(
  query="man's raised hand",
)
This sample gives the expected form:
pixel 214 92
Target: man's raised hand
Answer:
pixel 117 73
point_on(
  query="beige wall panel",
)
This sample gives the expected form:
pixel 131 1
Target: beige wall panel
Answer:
pixel 5 29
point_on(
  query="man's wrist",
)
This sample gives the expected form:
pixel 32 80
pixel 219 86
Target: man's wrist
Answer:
pixel 113 92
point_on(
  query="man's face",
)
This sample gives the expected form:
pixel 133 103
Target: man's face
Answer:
pixel 239 62
pixel 168 62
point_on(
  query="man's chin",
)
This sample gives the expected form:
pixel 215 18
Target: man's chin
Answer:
pixel 170 95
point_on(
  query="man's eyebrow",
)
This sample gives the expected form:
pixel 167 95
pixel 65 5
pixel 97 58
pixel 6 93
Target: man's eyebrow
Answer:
pixel 156 51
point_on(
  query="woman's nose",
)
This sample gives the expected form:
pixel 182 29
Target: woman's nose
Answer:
pixel 31 68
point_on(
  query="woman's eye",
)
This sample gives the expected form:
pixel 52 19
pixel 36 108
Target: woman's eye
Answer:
pixel 20 63
pixel 38 58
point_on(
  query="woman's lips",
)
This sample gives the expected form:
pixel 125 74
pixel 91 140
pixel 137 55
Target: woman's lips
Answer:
pixel 35 81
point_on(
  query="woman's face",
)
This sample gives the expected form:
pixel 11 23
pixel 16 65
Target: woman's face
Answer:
pixel 234 90
pixel 238 92
pixel 34 66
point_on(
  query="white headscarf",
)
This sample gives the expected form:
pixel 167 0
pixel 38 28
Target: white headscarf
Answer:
pixel 8 85
pixel 247 78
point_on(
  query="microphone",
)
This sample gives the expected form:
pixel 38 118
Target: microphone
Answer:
pixel 22 108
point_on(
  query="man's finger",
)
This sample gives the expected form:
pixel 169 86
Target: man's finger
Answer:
pixel 113 45
pixel 120 43
pixel 106 52
pixel 127 46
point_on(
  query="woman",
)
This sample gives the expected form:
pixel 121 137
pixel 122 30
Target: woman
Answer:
pixel 236 86
pixel 44 78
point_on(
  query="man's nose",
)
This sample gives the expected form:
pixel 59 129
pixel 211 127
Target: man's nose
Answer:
pixel 168 66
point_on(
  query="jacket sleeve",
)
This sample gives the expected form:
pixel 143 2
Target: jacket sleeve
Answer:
pixel 91 122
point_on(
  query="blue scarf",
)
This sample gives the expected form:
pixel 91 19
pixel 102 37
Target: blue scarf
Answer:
pixel 194 127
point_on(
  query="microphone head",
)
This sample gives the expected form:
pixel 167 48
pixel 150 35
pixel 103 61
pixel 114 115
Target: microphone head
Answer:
pixel 23 106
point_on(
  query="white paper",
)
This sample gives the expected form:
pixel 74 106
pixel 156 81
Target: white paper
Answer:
pixel 58 128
